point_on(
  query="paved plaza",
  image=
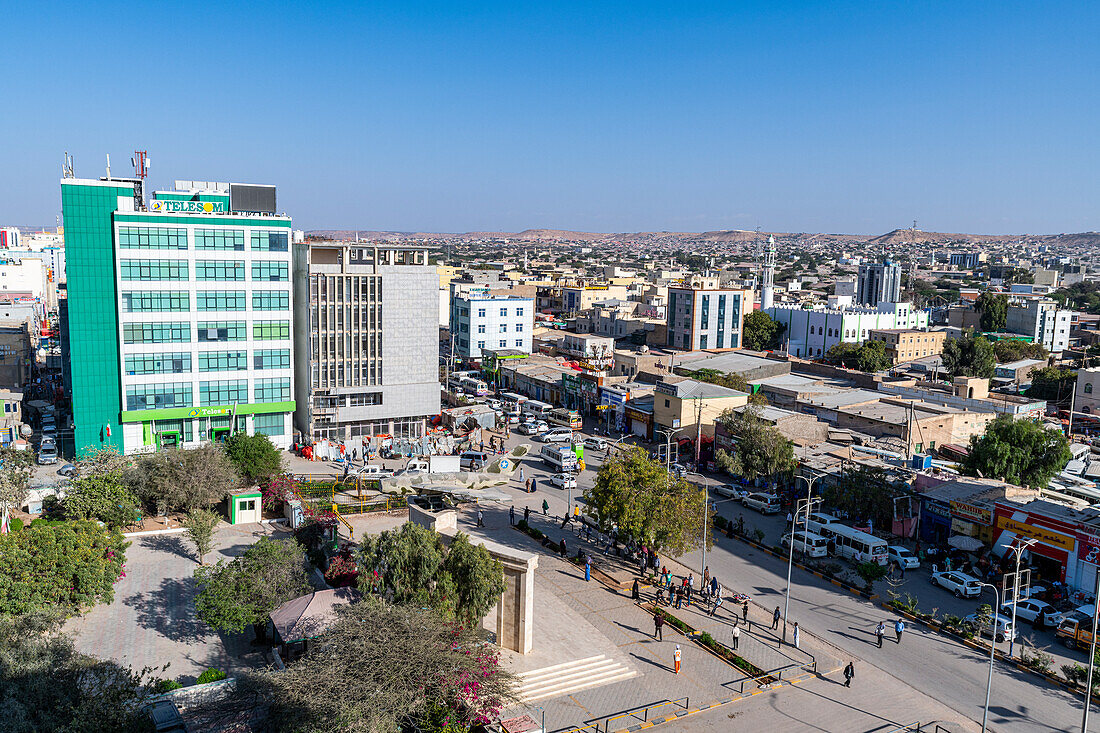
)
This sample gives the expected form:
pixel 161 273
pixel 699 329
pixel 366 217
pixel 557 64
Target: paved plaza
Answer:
pixel 152 621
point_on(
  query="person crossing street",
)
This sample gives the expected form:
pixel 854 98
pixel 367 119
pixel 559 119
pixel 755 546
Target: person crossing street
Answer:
pixel 899 626
pixel 849 673
pixel 880 631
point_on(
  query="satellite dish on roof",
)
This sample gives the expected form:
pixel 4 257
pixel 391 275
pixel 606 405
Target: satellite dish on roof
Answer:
pixel 643 349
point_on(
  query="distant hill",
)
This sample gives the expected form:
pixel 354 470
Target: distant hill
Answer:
pixel 898 237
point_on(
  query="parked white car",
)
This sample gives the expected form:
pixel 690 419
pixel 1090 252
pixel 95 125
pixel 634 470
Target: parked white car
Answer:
pixel 984 626
pixel 903 556
pixel 564 480
pixel 1037 613
pixel 731 491
pixel 961 584
pixel 763 503
pixel 594 443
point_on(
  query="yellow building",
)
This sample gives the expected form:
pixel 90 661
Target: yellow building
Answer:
pixel 687 404
pixel 906 344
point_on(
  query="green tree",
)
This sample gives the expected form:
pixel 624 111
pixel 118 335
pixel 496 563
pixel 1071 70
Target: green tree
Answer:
pixel 67 565
pixel 1009 350
pixel 866 493
pixel 969 356
pixel 15 472
pixel 47 685
pixel 200 525
pixel 870 356
pixel 993 308
pixel 761 450
pixel 1022 452
pixel 1052 384
pixel 637 494
pixel 255 457
pixel 248 588
pixel 386 668
pixel 411 565
pixel 760 332
pixel 101 496
pixel 183 479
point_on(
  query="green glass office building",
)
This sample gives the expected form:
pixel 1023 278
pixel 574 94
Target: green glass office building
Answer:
pixel 178 315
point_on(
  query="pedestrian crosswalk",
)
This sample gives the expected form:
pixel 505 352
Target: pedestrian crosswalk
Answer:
pixel 565 679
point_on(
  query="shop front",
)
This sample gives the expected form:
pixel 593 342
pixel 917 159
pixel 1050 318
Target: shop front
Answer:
pixel 1056 542
pixel 972 520
pixel 935 521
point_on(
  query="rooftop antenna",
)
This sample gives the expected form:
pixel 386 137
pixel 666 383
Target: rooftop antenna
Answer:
pixel 67 166
pixel 108 165
pixel 141 164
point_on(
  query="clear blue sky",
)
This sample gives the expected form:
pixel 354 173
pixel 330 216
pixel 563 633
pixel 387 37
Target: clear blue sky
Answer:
pixel 822 116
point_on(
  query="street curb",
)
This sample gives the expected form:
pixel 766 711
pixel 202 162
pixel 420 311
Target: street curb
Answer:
pixel 838 583
pixel 177 530
pixel 998 655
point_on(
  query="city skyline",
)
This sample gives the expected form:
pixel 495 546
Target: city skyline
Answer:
pixel 799 117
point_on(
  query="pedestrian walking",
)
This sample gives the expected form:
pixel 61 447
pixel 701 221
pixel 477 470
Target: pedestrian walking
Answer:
pixel 527 514
pixel 790 520
pixel 527 485
pixel 534 484
pixel 676 659
pixel 714 587
pixel 899 626
pixel 690 587
pixel 901 570
pixel 797 637
pixel 545 507
pixel 680 597
pixel 705 587
pixel 776 615
pixel 587 569
pixel 880 631
pixel 512 515
pixel 635 591
pixel 521 473
pixel 849 673
pixel 717 603
pixel 736 634
pixel 658 625
pixel 480 518
pixel 564 551
pixel 745 612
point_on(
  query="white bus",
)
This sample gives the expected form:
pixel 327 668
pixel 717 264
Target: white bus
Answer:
pixel 511 399
pixel 849 541
pixel 537 409
pixel 559 457
pixel 474 386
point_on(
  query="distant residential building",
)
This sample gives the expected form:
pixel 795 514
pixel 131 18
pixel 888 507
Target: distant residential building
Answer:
pixel 904 344
pixel 1018 372
pixel 367 342
pixel 692 406
pixel 967 260
pixel 16 354
pixel 583 297
pixel 9 237
pixel 845 287
pixel 878 283
pixel 480 321
pixel 811 332
pixel 593 352
pixel 1042 320
pixel 706 319
pixel 1087 398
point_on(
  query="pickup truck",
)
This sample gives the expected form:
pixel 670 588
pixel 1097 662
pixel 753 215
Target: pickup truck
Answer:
pixel 1075 631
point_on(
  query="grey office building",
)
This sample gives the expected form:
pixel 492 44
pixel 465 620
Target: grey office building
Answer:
pixel 366 340
pixel 878 283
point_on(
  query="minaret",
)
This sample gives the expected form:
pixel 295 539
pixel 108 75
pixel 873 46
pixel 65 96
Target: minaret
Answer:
pixel 767 291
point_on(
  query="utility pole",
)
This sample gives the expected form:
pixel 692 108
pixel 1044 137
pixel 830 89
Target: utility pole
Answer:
pixel 1072 404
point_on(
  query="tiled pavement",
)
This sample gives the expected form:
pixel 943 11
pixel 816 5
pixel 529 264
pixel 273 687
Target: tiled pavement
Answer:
pixel 152 622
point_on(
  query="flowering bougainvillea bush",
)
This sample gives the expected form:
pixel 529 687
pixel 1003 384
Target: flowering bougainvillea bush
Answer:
pixel 69 565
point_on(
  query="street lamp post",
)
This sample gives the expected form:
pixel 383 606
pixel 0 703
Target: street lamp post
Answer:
pixel 790 558
pixel 1018 550
pixel 992 649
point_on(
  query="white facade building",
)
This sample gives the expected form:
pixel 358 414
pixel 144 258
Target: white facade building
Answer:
pixel 480 321
pixel 1043 321
pixel 700 318
pixel 811 333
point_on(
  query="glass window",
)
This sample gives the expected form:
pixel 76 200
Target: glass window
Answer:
pixel 152 301
pixel 223 361
pixel 503 312
pixel 503 343
pixel 152 238
pixel 481 328
pixel 225 392
pixel 519 328
pixel 158 396
pixel 153 269
pixel 156 333
pixel 519 343
pixel 221 300
pixel 270 271
pixel 480 312
pixel 269 424
pixel 168 363
pixel 365 399
pixel 481 344
pixel 519 312
pixel 504 328
pixel 270 300
pixel 270 241
pixel 270 330
pixel 231 239
pixel 219 270
pixel 272 390
pixel 222 331
pixel 271 359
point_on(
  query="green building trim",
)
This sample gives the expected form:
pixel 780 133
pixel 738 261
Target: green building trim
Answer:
pixel 93 311
pixel 175 413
